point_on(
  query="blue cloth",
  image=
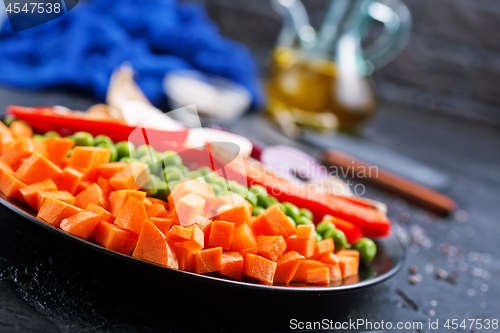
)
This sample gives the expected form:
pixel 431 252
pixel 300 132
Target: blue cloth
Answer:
pixel 81 48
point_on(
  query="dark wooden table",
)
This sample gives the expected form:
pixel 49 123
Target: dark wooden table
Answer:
pixel 49 284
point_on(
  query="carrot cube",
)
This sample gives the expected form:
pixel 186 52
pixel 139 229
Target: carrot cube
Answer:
pixel 118 199
pixel 104 185
pixel 115 239
pixel 251 250
pixel 82 224
pixel 93 194
pixel 349 253
pixel 103 213
pixel 69 180
pixel 271 247
pixel 152 245
pixel 273 222
pixel 305 265
pixel 179 234
pixel 192 237
pixel 63 196
pixel 322 247
pixel 319 275
pixel 208 260
pixel 108 170
pixel 237 210
pixel 188 207
pixel 156 210
pixel 5 135
pixel 57 148
pixel 259 268
pixel 5 166
pixel 332 262
pixel 220 234
pixel 88 175
pixel 286 267
pixel 162 223
pixel 132 215
pixel 89 157
pixel 305 231
pixel 232 265
pixel 53 211
pixel 11 186
pixel 348 266
pixel 301 245
pixel 20 129
pixel 37 168
pixel 132 177
pixel 82 185
pixel 243 238
pixel 29 192
pixel 159 201
pixel 15 150
pixel 185 258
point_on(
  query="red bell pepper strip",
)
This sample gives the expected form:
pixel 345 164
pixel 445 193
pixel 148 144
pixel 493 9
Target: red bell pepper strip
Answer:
pixel 351 231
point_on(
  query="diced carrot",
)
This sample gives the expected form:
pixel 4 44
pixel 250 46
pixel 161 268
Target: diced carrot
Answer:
pixel 185 258
pixel 29 192
pixel 56 149
pixel 237 214
pixel 64 162
pixel 161 223
pixel 104 185
pixel 81 224
pixel 202 223
pixel 96 209
pixel 332 262
pixel 179 234
pixel 259 268
pixel 303 246
pixel 286 267
pixel 147 203
pixel 5 166
pixel 132 215
pixel 132 177
pixel 232 265
pixel 329 258
pixel 69 180
pixel 5 135
pixel 305 265
pixel 348 265
pixel 188 207
pixel 157 210
pixel 208 260
pixel 17 149
pixel 82 186
pixel 89 174
pixel 322 247
pixel 92 194
pixel 108 170
pixel 37 168
pixel 10 185
pixel 53 211
pixel 159 201
pixel 243 238
pixel 152 245
pixel 118 199
pixel 221 234
pixel 349 253
pixel 251 250
pixel 305 231
pixel 319 275
pixel 88 157
pixel 271 247
pixel 196 243
pixel 115 239
pixel 187 186
pixel 192 237
pixel 273 222
pixel 20 129
pixel 63 196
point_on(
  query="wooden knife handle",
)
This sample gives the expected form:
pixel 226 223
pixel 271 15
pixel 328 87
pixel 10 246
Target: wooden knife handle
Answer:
pixel 409 190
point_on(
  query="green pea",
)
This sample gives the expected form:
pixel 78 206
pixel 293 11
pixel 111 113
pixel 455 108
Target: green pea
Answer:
pixel 307 213
pixel 216 188
pixel 83 139
pixel 237 188
pixel 252 198
pixel 185 170
pixel 257 189
pixel 338 237
pixel 127 159
pixel 163 190
pixel 366 248
pixel 318 237
pixel 52 134
pixel 292 210
pixel 125 149
pixel 112 148
pixel 143 150
pixel 71 137
pixel 257 210
pixel 205 170
pixel 323 227
pixel 271 201
pixel 172 177
pixel 151 187
pixel 220 181
pixel 282 207
pixel 211 177
pixel 195 174
pixel 8 120
pixel 171 158
pixel 262 200
pixel 172 168
pixel 38 137
pixel 292 221
pixel 103 139
pixel 303 220
pixel 154 167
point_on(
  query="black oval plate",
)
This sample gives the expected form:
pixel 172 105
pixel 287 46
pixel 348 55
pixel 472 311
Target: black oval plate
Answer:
pixel 388 261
